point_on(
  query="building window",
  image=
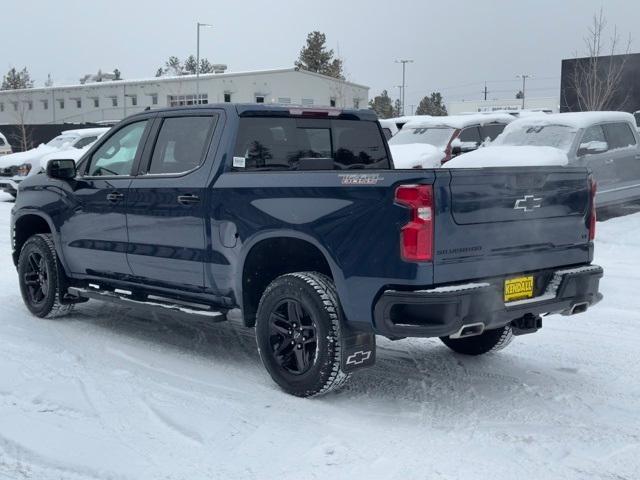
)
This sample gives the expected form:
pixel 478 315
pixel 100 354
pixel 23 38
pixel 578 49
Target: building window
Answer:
pixel 154 99
pixel 259 98
pixel 134 100
pixel 227 98
pixel 61 104
pixel 45 104
pixel 284 100
pixel 114 101
pixel 96 102
pixel 1 107
pixel 15 106
pixel 356 103
pixel 30 105
pixel 181 100
pixel 78 103
pixel 307 102
pixel 332 102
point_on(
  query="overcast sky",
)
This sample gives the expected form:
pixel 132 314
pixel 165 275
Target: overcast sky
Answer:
pixel 456 45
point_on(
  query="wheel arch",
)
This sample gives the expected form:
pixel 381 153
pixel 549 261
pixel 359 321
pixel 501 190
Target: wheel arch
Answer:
pixel 27 224
pixel 278 253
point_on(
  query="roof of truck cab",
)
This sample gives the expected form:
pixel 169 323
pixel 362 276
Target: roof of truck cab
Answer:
pixel 575 120
pixel 459 121
pixel 258 109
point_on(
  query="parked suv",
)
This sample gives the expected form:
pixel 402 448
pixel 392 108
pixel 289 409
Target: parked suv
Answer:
pixel 297 218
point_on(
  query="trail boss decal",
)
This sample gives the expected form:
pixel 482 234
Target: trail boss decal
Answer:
pixel 360 178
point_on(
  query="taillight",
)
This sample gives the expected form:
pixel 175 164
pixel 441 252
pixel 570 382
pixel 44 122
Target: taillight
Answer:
pixel 592 216
pixel 416 237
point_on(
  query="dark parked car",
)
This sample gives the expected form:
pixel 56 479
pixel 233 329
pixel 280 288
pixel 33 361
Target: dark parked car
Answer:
pixel 297 218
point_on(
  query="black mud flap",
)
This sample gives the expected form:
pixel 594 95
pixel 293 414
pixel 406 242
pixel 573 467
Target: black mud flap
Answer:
pixel 359 350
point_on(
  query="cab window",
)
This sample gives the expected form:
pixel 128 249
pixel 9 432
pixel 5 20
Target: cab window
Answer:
pixel 116 156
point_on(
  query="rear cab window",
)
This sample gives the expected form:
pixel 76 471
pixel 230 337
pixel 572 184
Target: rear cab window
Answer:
pixel 285 143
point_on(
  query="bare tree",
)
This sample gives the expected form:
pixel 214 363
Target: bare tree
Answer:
pixel 22 104
pixel 596 79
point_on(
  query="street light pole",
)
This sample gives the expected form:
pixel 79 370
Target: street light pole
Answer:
pixel 404 65
pixel 524 85
pixel 198 60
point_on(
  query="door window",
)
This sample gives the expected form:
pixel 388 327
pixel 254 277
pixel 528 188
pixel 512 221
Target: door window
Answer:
pixel 593 134
pixel 470 134
pixel 181 144
pixel 117 154
pixel 492 131
pixel 619 135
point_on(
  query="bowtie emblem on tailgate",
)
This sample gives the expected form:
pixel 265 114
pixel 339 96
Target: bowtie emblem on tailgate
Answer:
pixel 528 203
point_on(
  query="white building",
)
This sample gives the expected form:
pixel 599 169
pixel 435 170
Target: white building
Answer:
pixel 114 100
pixel 511 105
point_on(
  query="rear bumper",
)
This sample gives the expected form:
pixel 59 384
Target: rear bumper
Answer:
pixel 444 311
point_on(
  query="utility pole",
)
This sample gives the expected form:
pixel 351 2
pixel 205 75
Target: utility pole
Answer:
pixel 404 65
pixel 485 91
pixel 198 60
pixel 524 86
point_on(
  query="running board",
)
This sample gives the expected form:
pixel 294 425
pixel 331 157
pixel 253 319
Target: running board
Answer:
pixel 152 302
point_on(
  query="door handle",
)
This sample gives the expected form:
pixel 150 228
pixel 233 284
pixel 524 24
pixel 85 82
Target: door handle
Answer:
pixel 114 197
pixel 188 199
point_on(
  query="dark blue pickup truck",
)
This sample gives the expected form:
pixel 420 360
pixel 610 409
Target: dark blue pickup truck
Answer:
pixel 296 218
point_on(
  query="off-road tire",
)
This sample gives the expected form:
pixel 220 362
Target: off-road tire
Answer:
pixel 317 295
pixel 489 341
pixel 51 305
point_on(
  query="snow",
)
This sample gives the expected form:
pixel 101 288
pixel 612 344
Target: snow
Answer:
pixel 416 155
pixel 575 120
pixel 459 121
pixel 112 393
pixel 509 156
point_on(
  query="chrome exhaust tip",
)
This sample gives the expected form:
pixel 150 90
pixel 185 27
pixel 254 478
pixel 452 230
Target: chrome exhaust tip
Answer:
pixel 469 330
pixel 579 308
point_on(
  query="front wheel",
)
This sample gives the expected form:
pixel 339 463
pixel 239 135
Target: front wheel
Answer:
pixel 489 341
pixel 42 280
pixel 298 331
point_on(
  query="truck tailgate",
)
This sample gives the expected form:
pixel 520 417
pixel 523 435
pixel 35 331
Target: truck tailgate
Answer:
pixel 501 221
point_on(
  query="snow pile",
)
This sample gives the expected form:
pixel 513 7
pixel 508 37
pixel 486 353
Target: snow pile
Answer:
pixel 575 120
pixel 509 156
pixel 459 121
pixel 416 155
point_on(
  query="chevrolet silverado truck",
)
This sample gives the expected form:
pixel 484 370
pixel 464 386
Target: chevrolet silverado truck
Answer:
pixel 296 219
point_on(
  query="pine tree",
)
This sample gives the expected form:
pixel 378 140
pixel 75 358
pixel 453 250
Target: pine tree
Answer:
pixel 190 65
pixel 519 95
pixel 206 66
pixel 49 81
pixel 432 105
pixel 117 75
pixel 382 105
pixel 315 57
pixel 15 80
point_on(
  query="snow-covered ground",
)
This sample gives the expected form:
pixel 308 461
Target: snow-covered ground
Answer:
pixel 110 393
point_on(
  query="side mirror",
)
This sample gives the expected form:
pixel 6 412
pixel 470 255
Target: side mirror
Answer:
pixel 591 148
pixel 456 150
pixel 61 169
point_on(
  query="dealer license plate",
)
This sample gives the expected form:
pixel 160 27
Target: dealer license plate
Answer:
pixel 518 288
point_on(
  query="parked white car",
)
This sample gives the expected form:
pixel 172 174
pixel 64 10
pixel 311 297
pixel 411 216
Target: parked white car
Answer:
pixel 605 142
pixel 428 142
pixel 5 147
pixel 14 168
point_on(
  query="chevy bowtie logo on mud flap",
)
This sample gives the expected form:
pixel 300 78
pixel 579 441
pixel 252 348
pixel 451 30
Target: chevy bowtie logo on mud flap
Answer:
pixel 528 203
pixel 359 357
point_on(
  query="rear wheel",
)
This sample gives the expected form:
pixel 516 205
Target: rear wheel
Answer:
pixel 42 280
pixel 489 341
pixel 298 334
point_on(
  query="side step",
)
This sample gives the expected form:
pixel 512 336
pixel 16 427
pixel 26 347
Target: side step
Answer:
pixel 157 303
